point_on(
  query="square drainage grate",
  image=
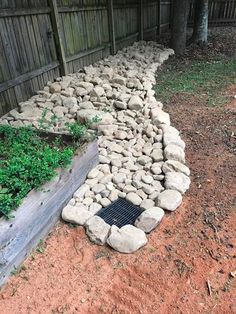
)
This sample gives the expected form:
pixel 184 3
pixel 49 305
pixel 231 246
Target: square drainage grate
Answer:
pixel 120 213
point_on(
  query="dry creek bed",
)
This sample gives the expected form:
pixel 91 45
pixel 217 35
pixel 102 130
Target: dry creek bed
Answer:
pixel 141 156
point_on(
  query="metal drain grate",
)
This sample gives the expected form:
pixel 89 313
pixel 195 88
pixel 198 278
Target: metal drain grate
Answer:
pixel 120 213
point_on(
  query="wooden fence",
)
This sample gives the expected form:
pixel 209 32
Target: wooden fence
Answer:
pixel 221 12
pixel 43 39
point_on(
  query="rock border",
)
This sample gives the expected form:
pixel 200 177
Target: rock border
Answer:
pixel 141 156
pixel 40 210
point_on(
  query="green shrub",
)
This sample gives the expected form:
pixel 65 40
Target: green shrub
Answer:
pixel 26 162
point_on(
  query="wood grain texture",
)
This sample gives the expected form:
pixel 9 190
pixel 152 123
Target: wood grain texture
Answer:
pixel 40 211
pixel 37 33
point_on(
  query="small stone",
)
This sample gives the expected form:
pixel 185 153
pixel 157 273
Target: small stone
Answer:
pixel 134 198
pixel 87 201
pixel 76 214
pixel 120 135
pixel 169 200
pixel 147 179
pixel 135 103
pixel 93 173
pixel 105 202
pixel 120 105
pixel 106 178
pixel 148 189
pixel 98 188
pixel 147 203
pixel 116 162
pixel 174 152
pixel 129 188
pixel 97 230
pixel 98 91
pixel 119 178
pixel 113 196
pixel 157 155
pixel 119 80
pixel 141 194
pixel 143 160
pixel 175 166
pixel 177 181
pixel 55 88
pixel 127 239
pixel 104 160
pixel 94 208
pixel 149 219
pixel 81 191
pixel 154 195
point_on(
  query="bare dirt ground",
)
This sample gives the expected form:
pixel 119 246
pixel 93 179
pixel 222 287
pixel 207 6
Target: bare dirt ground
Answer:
pixel 189 263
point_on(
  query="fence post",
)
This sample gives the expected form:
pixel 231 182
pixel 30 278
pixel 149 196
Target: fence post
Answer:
pixel 159 18
pixel 141 26
pixel 111 25
pixel 57 36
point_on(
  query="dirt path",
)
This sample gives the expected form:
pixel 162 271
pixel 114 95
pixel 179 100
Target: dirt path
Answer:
pixel 185 268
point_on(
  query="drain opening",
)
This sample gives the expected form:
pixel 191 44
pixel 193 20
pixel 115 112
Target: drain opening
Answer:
pixel 120 213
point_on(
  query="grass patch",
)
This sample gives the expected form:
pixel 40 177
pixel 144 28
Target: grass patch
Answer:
pixel 204 79
pixel 27 160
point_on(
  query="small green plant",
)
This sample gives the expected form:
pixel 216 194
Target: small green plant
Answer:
pixel 77 130
pixel 26 162
pixel 41 247
pixel 44 123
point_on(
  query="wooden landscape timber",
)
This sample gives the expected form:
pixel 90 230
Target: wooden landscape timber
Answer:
pixel 40 211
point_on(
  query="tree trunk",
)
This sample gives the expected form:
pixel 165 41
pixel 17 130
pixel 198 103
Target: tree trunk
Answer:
pixel 179 25
pixel 200 27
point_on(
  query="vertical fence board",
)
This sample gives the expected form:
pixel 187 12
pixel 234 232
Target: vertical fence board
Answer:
pixel 39 37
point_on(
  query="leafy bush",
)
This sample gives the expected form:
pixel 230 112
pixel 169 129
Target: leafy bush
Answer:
pixel 26 162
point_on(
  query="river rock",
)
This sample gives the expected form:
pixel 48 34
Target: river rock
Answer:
pixel 177 181
pixel 134 198
pixel 175 166
pixel 149 219
pixel 169 200
pixel 76 214
pixel 127 239
pixel 174 152
pixel 97 230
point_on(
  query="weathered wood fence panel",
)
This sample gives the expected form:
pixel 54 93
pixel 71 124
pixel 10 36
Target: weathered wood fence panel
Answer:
pixel 221 12
pixel 43 39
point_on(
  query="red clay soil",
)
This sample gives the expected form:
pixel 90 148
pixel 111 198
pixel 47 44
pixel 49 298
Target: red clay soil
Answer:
pixel 186 266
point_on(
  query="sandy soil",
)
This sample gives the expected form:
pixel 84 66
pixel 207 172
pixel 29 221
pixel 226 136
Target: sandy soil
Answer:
pixel 186 266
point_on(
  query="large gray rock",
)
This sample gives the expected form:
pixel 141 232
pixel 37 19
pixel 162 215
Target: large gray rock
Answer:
pixel 76 214
pixel 55 88
pixel 169 138
pixel 175 166
pixel 177 181
pixel 135 103
pixel 149 219
pixel 97 230
pixel 174 152
pixel 127 239
pixel 160 117
pixel 134 198
pixel 169 200
pixel 88 115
